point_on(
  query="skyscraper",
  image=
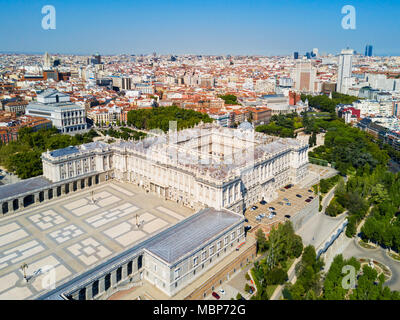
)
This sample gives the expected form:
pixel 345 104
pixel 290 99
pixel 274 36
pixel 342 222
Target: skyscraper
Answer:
pixel 296 55
pixel 304 75
pixel 368 50
pixel 344 70
pixel 47 61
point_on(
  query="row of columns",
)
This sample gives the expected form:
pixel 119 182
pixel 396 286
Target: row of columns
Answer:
pixel 50 193
pixel 109 280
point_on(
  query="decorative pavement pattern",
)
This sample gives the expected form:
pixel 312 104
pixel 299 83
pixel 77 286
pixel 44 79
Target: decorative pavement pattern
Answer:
pixel 63 237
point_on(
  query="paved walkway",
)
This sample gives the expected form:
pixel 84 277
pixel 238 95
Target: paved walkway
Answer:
pixel 73 234
pixel 291 278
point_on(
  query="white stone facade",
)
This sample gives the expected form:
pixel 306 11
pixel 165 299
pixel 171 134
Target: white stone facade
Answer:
pixel 205 166
pixel 56 106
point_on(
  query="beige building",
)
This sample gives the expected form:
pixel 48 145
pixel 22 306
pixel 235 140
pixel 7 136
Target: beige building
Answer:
pixel 205 166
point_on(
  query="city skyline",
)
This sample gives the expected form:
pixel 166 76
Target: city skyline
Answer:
pixel 191 27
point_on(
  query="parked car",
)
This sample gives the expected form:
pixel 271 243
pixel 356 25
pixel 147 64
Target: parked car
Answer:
pixel 254 208
pixel 310 191
pixel 299 196
pixel 262 215
pixel 252 289
pixel 288 204
pixel 283 190
pixel 216 295
pixel 308 200
pixel 271 209
pixel 287 216
pixel 273 213
pixel 285 199
pixel 281 203
pixel 247 228
pixel 263 202
pixel 246 220
pixel 270 216
pixel 310 197
pixel 222 291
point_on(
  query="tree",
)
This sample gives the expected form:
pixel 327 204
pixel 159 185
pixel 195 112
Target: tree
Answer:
pixel 229 99
pixel 379 193
pixel 261 241
pixel 334 208
pixel 297 246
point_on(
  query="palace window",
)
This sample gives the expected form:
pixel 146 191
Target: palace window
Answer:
pixel 177 273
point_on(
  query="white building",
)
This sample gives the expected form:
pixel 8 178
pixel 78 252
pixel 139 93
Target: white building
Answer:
pixel 344 70
pixel 222 118
pixel 382 82
pixel 56 106
pixel 175 258
pixel 205 166
pixel 373 107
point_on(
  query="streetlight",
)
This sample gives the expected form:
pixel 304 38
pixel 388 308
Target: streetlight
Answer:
pixel 24 266
pixel 93 201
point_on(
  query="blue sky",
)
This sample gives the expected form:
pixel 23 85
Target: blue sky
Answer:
pixel 234 27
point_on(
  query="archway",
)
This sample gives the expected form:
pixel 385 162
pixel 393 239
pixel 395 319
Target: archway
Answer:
pixel 5 207
pixel 28 200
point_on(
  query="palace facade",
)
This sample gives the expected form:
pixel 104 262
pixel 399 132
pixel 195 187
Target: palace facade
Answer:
pixel 205 166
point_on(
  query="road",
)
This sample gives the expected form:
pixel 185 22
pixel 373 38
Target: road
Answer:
pixel 378 254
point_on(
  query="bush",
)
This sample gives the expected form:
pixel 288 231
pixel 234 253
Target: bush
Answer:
pixel 334 208
pixel 247 277
pixel 247 287
pixel 351 227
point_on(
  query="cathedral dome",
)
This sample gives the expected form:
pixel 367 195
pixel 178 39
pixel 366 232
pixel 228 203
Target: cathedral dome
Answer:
pixel 246 126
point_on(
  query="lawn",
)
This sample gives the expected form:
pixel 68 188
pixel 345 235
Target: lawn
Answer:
pixel 366 245
pixel 271 290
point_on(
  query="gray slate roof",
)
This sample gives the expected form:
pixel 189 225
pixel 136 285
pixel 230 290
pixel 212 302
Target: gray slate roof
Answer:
pixel 27 185
pixel 64 151
pixel 193 233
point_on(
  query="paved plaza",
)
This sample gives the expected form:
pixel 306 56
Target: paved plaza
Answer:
pixel 77 232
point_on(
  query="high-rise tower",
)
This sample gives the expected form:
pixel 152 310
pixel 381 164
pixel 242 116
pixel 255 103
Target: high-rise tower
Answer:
pixel 344 70
pixel 368 50
pixel 47 61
